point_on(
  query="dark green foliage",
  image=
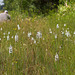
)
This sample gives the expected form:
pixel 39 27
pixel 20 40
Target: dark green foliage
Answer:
pixel 36 6
pixel 8 4
pixel 45 6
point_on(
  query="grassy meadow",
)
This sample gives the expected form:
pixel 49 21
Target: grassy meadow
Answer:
pixel 43 46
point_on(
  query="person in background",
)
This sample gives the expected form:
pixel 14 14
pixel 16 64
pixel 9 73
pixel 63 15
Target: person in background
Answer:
pixel 4 16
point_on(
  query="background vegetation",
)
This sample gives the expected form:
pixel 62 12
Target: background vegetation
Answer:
pixel 36 6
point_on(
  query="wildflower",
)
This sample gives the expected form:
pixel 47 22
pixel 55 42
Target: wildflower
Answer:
pixel 8 32
pixel 56 57
pixel 10 49
pixel 32 38
pixel 14 29
pixel 16 38
pixel 8 37
pixel 62 32
pixel 60 47
pixel 12 37
pixel 3 33
pixel 16 62
pixel 67 33
pixel 18 27
pixel 34 41
pixel 0 38
pixel 55 36
pixel 39 35
pixel 74 32
pixel 1 29
pixel 64 25
pixel 50 31
pixel 57 26
pixel 29 34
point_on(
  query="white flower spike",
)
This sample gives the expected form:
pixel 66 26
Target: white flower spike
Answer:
pixel 50 31
pixel 29 34
pixel 57 26
pixel 1 29
pixel 16 38
pixel 8 37
pixel 39 35
pixel 18 27
pixel 67 33
pixel 64 25
pixel 74 32
pixel 55 36
pixel 10 49
pixel 56 57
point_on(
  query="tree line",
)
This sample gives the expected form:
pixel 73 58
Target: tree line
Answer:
pixel 36 6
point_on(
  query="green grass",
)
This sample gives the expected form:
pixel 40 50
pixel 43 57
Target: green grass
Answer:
pixel 29 58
